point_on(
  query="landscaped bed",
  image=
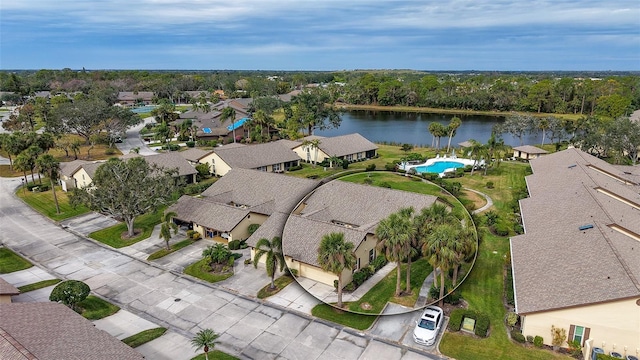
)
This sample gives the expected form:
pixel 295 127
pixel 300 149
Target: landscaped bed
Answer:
pixel 43 203
pixel 144 337
pixel 113 236
pixel 202 270
pixel 280 282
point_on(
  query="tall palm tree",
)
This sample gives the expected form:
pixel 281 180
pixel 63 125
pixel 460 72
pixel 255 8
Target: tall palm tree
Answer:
pixel 454 124
pixel 438 247
pixel 50 166
pixel 205 339
pixel 167 226
pixel 392 239
pixel 336 255
pixel 433 129
pixel 464 247
pixel 477 150
pixel 274 257
pixel 409 246
pixel 312 145
pixel 229 113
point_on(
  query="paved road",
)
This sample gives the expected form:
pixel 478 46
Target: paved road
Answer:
pixel 133 139
pixel 249 328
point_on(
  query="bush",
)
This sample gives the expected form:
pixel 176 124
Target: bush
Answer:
pixel 517 336
pixel 190 233
pixel 234 244
pixel 455 320
pixel 252 228
pixel 385 185
pixel 359 277
pixel 368 181
pixel 379 262
pixel 70 293
pixel 538 341
pixel 203 169
pixel 501 228
pixel 482 321
pixel 109 151
pixel 390 166
pixel 44 187
pixel 508 287
pixel 434 292
pixel 196 236
pixel 191 144
pixel 529 339
pixel 295 168
pixel 193 189
pixel 345 165
pixel 489 185
pixel 482 325
pixel 512 319
pixel 293 272
pixel 453 298
pixel 371 167
pixel 247 261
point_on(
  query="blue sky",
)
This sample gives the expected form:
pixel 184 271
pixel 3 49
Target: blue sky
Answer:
pixel 513 35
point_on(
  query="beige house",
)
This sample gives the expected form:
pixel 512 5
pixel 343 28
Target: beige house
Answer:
pixel 240 198
pixel 577 266
pixel 49 330
pixel 132 98
pixel 351 147
pixel 170 160
pixel 7 291
pixel 528 152
pixel 339 206
pixel 273 156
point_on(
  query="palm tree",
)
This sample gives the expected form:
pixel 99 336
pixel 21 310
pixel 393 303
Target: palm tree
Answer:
pixel 438 246
pixel 229 113
pixel 334 160
pixel 167 226
pixel 454 124
pixel 217 253
pixel 336 255
pixel 50 166
pixel 205 339
pixel 409 248
pixel 392 239
pixel 477 150
pixel 543 124
pixel 273 251
pixel 433 129
pixel 464 246
pixel 312 145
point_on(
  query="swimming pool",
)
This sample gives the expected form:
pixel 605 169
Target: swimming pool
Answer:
pixel 143 109
pixel 438 167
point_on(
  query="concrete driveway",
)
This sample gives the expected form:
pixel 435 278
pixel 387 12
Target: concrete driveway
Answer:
pixel 88 223
pixel 133 140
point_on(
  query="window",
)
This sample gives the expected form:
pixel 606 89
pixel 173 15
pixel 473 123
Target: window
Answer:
pixel 358 265
pixel 350 157
pixel 360 155
pixel 276 167
pixel 578 333
pixel 262 168
pixel 372 255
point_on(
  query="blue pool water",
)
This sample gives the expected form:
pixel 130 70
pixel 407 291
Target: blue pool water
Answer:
pixel 143 109
pixel 439 167
pixel 206 130
pixel 237 124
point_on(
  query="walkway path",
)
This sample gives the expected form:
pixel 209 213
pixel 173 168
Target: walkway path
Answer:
pixel 249 328
pixel 486 206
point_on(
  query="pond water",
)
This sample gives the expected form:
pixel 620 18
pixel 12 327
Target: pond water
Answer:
pixel 412 128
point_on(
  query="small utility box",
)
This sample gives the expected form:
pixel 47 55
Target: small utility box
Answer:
pixel 468 324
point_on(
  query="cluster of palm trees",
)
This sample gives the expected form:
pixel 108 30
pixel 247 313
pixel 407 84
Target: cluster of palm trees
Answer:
pixel 490 152
pixel 435 233
pixel 438 131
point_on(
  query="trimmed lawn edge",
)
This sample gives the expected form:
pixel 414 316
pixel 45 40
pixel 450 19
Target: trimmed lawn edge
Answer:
pixel 144 337
pixel 280 282
pixel 12 262
pixel 343 317
pixel 38 285
pixel 175 247
pixel 200 270
pixel 95 308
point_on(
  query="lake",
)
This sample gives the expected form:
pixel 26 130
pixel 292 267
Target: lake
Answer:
pixel 412 128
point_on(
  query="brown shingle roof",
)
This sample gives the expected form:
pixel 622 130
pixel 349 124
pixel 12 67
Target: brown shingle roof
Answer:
pixel 194 155
pixel 171 160
pixel 7 289
pixel 255 156
pixel 70 168
pixel 53 331
pixel 214 215
pixel 132 95
pixel 343 145
pixel 567 190
pixel 360 206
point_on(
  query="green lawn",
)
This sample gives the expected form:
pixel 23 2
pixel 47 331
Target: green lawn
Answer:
pixel 44 204
pixel 346 318
pixel 216 355
pixel 143 337
pixel 201 269
pixel 384 291
pixel 94 308
pixel 280 282
pixel 39 285
pixel 112 236
pixel 10 261
pixel 174 247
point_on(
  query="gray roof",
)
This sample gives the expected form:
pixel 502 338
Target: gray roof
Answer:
pixel 171 160
pixel 529 149
pixel 271 228
pixel 194 154
pixel 91 168
pixel 343 145
pixel 70 168
pixel 211 214
pixel 7 289
pixel 134 95
pixel 255 156
pixel 557 265
pixel 360 206
pixel 53 331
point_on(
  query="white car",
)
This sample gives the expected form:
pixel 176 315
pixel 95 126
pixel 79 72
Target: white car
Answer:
pixel 427 327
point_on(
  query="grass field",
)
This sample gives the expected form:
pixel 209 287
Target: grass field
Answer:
pixel 112 236
pixel 94 308
pixel 10 261
pixel 44 204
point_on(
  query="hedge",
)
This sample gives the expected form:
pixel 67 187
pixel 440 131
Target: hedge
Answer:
pixel 482 321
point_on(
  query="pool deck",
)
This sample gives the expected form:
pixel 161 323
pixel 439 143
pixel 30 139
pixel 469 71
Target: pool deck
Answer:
pixel 432 161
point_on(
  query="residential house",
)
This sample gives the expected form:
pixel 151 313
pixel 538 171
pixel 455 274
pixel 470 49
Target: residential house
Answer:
pixel 195 156
pixel 133 98
pixel 351 147
pixel 211 126
pixel 242 197
pixel 81 176
pixel 170 160
pixel 339 206
pixel 528 152
pixel 271 157
pixel 6 292
pixel 67 170
pixel 51 330
pixel 577 266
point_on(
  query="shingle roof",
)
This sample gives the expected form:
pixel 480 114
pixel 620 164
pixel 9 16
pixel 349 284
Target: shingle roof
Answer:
pixel 208 213
pixel 53 331
pixel 271 228
pixel 91 168
pixel 255 156
pixel 360 206
pixel 171 160
pixel 529 149
pixel 69 168
pixel 344 144
pixel 7 289
pixel 194 154
pixel 132 96
pixel 557 265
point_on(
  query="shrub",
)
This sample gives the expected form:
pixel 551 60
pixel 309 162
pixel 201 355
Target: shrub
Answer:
pixel 345 165
pixel 512 319
pixel 501 228
pixel 193 189
pixel 44 187
pixel 379 262
pixel 247 261
pixel 295 168
pixel 455 320
pixel 190 233
pixel 109 151
pixel 575 349
pixel 390 166
pixel 385 185
pixel 538 341
pixel 558 335
pixel 491 217
pixel 489 185
pixel 371 167
pixel 293 272
pixel 434 292
pixel 482 325
pixel 203 169
pixel 70 293
pixel 368 181
pixel 349 287
pixel 234 244
pixel 252 228
pixel 529 339
pixel 190 144
pixel 508 287
pixel 196 236
pixel 359 277
pixel 453 298
pixel 517 336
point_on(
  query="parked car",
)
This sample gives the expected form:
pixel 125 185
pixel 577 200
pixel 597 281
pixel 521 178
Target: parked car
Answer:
pixel 428 326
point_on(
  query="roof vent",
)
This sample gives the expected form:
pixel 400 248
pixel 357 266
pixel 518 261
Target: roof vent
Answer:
pixel 572 166
pixel 586 227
